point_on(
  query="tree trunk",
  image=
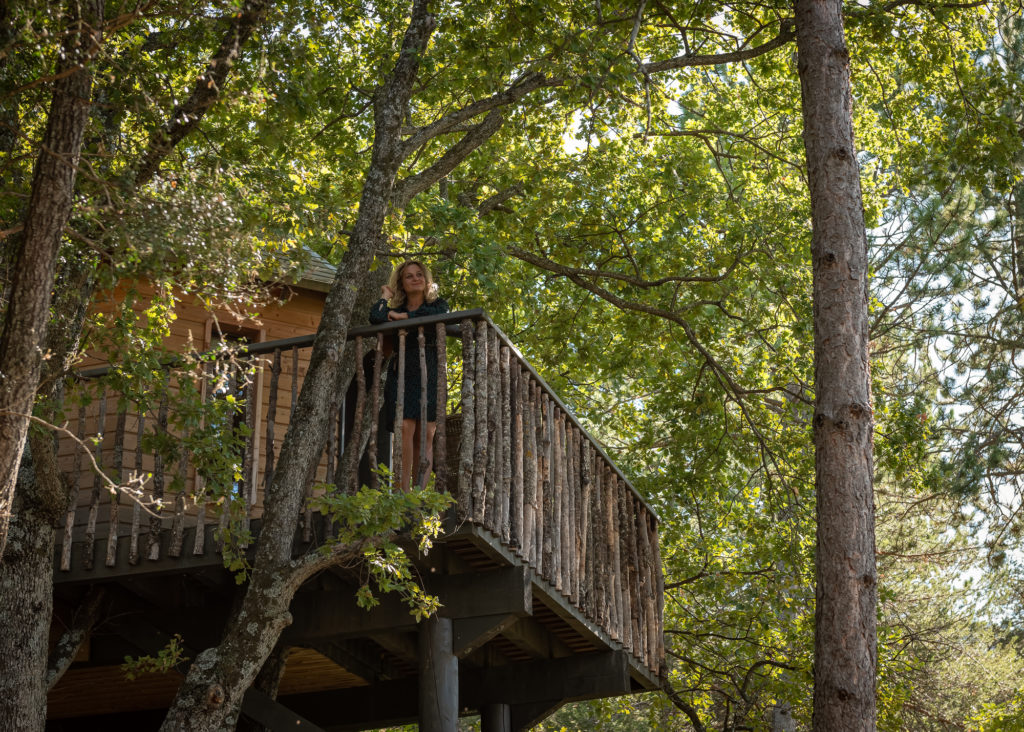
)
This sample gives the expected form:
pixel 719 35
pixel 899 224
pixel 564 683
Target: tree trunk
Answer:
pixel 211 694
pixel 49 208
pixel 844 648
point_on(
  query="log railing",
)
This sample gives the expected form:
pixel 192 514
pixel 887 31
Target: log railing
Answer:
pixel 517 461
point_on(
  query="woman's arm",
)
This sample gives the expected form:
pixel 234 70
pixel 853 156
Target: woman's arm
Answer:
pixel 430 308
pixel 379 312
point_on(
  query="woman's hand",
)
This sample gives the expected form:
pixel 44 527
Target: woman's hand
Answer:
pixel 395 315
pixel 386 292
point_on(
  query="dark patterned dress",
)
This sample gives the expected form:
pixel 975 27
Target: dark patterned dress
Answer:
pixel 411 393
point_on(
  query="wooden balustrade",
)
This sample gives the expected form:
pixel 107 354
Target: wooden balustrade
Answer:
pixel 516 460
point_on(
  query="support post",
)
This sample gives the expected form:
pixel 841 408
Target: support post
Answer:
pixel 439 677
pixel 496 718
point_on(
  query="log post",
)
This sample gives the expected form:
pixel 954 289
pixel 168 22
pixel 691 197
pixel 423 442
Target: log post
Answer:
pixel 547 493
pixel 464 507
pixel 375 392
pixel 115 497
pixel 423 469
pixel 586 561
pixel 348 468
pixel 496 718
pixel 529 469
pixel 505 485
pixel 133 541
pixel 441 432
pixel 600 542
pixel 97 484
pixel 516 458
pixel 396 453
pixel 480 441
pixel 155 521
pixel 493 518
pixel 438 676
pixel 76 484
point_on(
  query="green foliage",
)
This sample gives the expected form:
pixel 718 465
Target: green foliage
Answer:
pixel 166 659
pixel 370 518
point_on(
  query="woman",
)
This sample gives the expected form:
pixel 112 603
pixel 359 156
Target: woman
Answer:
pixel 411 293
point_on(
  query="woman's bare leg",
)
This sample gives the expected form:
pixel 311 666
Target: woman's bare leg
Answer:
pixel 410 452
pixel 431 428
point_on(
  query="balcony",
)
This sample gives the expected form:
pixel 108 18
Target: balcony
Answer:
pixel 548 566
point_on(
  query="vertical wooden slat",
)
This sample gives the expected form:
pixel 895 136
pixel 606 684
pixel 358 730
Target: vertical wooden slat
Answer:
pixel 441 432
pixel 541 432
pixel 275 377
pixel 565 505
pixel 627 540
pixel 199 490
pixel 133 541
pixel 558 497
pixel 178 522
pixel 599 540
pixel 621 588
pixel 424 466
pixel 155 519
pixel 249 487
pixel 550 527
pixel 333 476
pixel 396 459
pixel 493 439
pixel 516 405
pixel 464 506
pixel 480 435
pixel 607 497
pixel 659 596
pixel 76 484
pixel 505 489
pixel 350 477
pixel 115 497
pixel 529 469
pixel 97 484
pixel 574 533
pixel 586 545
pixel 375 390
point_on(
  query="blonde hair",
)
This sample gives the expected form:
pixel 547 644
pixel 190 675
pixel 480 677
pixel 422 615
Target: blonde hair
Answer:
pixel 394 283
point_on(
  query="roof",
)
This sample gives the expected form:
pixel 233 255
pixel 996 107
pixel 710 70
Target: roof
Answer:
pixel 314 273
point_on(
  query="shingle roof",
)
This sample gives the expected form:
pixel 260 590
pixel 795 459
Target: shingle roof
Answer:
pixel 315 273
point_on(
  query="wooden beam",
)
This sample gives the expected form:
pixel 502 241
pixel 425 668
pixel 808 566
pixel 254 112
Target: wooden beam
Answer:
pixel 261 709
pixel 355 658
pixel 529 688
pixel 335 614
pixel 586 676
pixel 255 704
pixel 472 633
pixel 533 638
pixel 527 716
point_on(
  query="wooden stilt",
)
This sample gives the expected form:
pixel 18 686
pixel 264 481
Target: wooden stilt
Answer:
pixel 439 676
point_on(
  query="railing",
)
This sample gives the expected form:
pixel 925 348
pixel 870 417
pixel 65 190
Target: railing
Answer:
pixel 517 461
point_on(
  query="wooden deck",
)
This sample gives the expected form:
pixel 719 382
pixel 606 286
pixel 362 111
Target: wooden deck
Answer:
pixel 549 567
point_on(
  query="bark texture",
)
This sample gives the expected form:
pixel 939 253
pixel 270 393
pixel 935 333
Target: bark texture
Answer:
pixel 845 643
pixel 211 694
pixel 24 327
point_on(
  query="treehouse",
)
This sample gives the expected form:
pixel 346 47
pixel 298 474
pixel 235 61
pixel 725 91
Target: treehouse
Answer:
pixel 547 570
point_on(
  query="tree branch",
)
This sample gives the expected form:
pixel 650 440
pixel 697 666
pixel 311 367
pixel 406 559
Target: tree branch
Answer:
pixel 682 706
pixel 205 92
pixel 407 188
pixel 786 34
pixel 450 122
pixel 81 625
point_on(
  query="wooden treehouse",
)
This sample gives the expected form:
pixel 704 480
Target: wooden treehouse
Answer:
pixel 548 569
